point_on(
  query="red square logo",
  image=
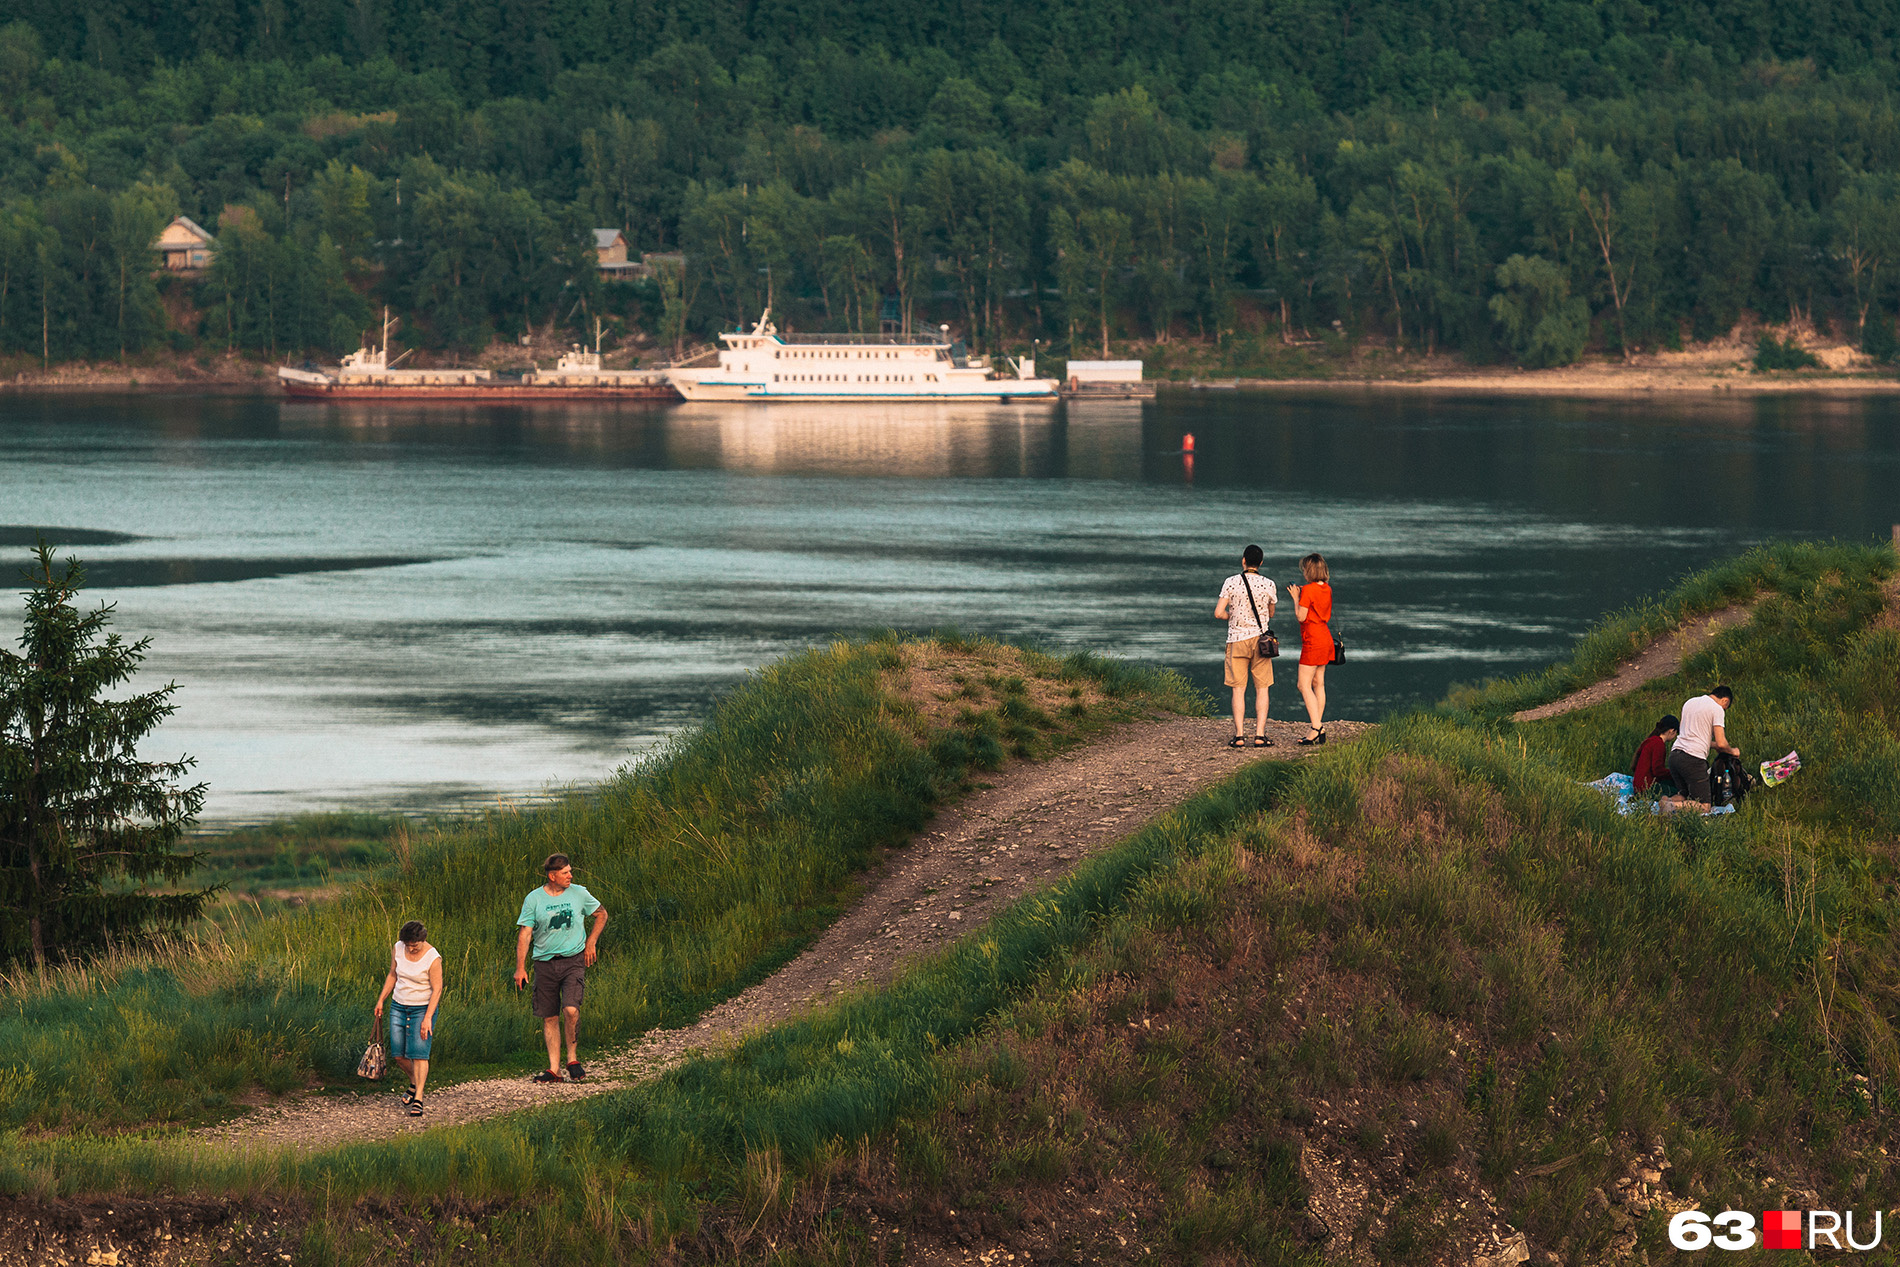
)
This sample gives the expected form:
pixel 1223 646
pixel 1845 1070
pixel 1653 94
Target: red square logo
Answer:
pixel 1781 1229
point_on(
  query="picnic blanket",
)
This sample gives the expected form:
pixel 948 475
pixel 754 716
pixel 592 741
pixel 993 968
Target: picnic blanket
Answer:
pixel 1623 788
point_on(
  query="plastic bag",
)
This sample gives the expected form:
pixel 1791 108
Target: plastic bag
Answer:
pixel 1780 770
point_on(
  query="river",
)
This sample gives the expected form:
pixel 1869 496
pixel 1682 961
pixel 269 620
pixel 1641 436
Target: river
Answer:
pixel 423 607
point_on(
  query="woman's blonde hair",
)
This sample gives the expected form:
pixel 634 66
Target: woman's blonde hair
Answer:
pixel 1313 568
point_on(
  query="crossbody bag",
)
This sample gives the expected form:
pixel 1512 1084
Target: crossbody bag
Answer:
pixel 1268 645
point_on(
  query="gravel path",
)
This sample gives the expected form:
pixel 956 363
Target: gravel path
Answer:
pixel 1659 659
pixel 1029 824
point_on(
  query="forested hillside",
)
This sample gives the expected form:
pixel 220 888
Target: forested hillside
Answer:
pixel 1510 180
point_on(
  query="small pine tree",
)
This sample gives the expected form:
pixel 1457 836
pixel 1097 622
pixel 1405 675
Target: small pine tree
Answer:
pixel 81 813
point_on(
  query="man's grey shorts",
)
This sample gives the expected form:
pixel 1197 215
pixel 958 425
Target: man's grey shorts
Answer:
pixel 559 982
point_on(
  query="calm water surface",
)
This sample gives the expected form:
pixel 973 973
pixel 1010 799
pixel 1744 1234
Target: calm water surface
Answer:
pixel 376 606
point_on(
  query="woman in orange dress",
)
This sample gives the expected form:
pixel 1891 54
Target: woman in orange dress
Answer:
pixel 1313 608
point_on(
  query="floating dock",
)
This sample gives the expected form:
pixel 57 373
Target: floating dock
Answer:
pixel 1106 380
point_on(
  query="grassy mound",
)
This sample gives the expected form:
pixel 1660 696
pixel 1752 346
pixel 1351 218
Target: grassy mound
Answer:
pixel 1444 988
pixel 717 861
pixel 1387 1005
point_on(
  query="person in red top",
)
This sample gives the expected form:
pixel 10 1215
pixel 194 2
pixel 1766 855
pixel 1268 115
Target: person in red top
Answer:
pixel 1652 757
pixel 1313 608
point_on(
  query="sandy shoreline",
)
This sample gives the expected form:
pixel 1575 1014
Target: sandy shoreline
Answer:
pixel 167 387
pixel 1575 382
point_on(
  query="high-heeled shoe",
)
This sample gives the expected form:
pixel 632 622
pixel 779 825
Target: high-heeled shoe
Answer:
pixel 1313 740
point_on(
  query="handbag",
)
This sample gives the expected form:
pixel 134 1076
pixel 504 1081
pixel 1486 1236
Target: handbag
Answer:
pixel 1268 644
pixel 374 1061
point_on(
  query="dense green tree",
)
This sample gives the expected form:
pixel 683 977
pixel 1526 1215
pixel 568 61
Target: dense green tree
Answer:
pixel 137 215
pixel 715 231
pixel 281 293
pixel 1282 214
pixel 1214 213
pixel 80 810
pixel 1865 224
pixel 627 180
pixel 1365 167
pixel 486 258
pixel 887 202
pixel 343 194
pixel 976 204
pixel 1543 322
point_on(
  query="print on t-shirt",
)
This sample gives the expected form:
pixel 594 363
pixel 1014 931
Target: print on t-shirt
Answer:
pixel 556 920
pixel 1240 622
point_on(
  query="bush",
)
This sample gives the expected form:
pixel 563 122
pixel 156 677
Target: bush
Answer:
pixel 1878 339
pixel 1772 354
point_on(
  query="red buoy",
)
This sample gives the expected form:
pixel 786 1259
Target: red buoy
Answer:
pixel 1187 443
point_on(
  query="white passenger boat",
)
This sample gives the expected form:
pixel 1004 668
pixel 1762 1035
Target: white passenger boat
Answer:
pixel 762 364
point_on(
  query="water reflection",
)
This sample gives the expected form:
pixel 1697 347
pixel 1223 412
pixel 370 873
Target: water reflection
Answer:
pixel 386 603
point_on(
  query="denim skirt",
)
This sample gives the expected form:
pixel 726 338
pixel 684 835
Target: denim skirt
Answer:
pixel 405 1030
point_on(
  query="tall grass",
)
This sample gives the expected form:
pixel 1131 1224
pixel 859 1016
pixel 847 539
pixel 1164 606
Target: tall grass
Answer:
pixel 716 862
pixel 1788 568
pixel 843 1072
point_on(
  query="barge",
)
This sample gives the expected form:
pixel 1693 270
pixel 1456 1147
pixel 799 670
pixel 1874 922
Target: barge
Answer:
pixel 367 374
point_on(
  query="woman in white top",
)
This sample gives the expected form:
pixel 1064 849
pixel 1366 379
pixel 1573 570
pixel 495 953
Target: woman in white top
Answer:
pixel 415 974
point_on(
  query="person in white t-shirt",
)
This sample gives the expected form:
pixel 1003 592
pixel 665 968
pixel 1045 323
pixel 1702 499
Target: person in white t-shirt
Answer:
pixel 1702 735
pixel 1246 604
pixel 415 978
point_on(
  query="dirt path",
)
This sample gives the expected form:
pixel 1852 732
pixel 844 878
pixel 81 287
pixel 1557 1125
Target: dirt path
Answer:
pixel 1659 659
pixel 1028 825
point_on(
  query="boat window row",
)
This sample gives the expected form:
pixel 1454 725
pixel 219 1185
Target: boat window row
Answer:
pixel 835 356
pixel 851 378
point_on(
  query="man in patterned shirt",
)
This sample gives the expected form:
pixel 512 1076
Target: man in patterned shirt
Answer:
pixel 1246 601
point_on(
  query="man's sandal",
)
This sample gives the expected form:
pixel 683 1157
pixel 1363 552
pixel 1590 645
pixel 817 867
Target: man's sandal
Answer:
pixel 415 1107
pixel 1238 741
pixel 548 1075
pixel 574 1071
pixel 1261 741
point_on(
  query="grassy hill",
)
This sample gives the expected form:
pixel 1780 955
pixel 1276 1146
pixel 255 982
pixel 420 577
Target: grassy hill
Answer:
pixel 718 862
pixel 1396 1004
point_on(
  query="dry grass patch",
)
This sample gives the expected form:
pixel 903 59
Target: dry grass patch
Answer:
pixel 1010 701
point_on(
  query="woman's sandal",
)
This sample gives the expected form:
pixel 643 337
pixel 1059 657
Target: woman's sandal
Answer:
pixel 1238 741
pixel 415 1107
pixel 1317 737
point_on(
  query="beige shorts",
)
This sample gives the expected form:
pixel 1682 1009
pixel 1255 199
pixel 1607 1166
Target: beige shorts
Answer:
pixel 1242 660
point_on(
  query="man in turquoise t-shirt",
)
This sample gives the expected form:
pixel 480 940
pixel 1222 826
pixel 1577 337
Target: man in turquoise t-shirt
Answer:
pixel 550 923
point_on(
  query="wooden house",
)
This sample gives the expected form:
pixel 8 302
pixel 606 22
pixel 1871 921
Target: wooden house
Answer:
pixel 611 246
pixel 185 247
